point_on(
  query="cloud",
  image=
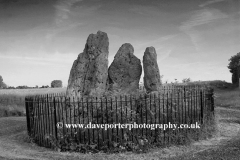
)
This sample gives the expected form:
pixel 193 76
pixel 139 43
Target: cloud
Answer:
pixel 54 66
pixel 50 59
pixel 145 10
pixel 201 17
pixel 156 41
pixel 197 65
pixel 63 9
pixel 69 14
pixel 210 2
pixel 195 70
pixel 53 31
pixel 163 54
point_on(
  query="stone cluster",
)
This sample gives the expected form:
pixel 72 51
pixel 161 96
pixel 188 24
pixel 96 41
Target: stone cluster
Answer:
pixel 90 75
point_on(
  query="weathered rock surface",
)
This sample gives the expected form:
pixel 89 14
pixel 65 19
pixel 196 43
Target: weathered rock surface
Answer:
pixel 125 71
pixel 152 81
pixel 89 72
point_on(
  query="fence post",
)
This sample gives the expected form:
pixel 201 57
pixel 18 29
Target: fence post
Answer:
pixel 27 114
pixel 55 118
pixel 212 100
pixel 201 103
pixel 239 83
pixel 31 114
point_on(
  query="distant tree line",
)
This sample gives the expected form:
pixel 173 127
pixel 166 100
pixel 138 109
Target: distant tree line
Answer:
pixel 25 87
pixel 234 68
pixel 54 84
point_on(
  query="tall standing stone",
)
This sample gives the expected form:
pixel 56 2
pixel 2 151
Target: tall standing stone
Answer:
pixel 152 81
pixel 89 72
pixel 125 71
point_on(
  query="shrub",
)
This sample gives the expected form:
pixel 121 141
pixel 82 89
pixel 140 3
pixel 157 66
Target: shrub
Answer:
pixel 56 84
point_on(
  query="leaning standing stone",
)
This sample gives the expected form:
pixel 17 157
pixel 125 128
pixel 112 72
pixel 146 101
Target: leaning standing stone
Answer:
pixel 89 72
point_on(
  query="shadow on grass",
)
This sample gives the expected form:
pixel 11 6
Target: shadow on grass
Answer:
pixel 230 121
pixel 8 113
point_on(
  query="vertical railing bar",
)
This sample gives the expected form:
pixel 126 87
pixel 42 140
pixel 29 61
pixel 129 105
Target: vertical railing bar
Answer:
pixel 50 117
pixel 155 117
pixel 43 110
pixel 168 117
pixel 112 134
pixel 185 106
pixel 201 95
pixel 146 112
pixel 39 127
pixel 132 121
pixel 178 105
pixel 121 119
pixel 150 109
pixel 191 105
pixel 42 120
pixel 27 114
pixel 63 119
pixel 159 115
pixel 36 120
pixel 98 130
pixel 89 137
pixel 108 138
pixel 172 121
pixel 103 137
pixel 117 137
pixel 79 120
pixel 70 115
pixel 66 114
pixel 141 107
pixel 55 118
pixel 164 132
pixel 74 117
pixel 92 120
pixel 126 107
pixel 175 102
pixel 33 119
pixel 84 136
pixel 196 107
pixel 51 104
pixel 59 113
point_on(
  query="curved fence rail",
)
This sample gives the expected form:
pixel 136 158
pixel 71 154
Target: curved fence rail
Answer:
pixel 52 119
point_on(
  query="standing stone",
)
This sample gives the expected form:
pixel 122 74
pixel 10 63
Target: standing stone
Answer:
pixel 89 72
pixel 152 81
pixel 125 71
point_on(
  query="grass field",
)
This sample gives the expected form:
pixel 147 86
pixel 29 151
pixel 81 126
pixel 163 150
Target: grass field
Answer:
pixel 12 100
pixel 15 144
pixel 228 98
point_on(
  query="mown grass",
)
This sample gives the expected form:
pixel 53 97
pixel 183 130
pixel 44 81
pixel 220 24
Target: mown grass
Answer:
pixel 228 98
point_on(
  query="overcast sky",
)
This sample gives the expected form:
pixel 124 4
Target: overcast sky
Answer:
pixel 40 39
